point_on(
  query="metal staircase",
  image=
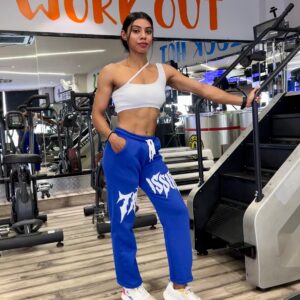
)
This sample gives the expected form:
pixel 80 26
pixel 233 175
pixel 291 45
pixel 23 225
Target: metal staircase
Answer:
pixel 250 198
pixel 233 181
pixel 226 212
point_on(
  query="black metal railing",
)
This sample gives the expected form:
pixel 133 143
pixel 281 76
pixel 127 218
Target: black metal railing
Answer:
pixel 257 160
pixel 274 27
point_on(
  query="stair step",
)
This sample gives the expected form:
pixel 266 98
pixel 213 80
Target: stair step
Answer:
pixel 226 223
pixel 249 176
pixel 179 154
pixel 263 170
pixel 186 187
pixel 234 203
pixel 192 164
pixel 286 140
pixel 206 153
pixel 272 155
pixel 187 171
pixel 286 116
pixel 240 186
pixel 185 176
pixel 274 146
pixel 177 160
pixel 286 125
pixel 174 149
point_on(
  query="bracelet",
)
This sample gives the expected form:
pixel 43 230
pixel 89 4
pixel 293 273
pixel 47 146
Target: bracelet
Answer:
pixel 110 135
pixel 244 103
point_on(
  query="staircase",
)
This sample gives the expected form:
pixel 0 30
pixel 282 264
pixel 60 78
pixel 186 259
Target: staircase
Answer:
pixel 183 165
pixel 224 210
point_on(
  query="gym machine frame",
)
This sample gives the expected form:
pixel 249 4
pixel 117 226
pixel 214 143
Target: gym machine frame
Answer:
pixel 22 192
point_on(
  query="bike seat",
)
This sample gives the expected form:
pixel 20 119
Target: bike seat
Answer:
pixel 22 159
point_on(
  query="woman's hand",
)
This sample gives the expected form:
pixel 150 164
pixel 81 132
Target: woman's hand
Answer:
pixel 117 143
pixel 251 97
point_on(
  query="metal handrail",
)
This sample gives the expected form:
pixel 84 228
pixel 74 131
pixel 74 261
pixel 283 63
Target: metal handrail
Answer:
pixel 274 27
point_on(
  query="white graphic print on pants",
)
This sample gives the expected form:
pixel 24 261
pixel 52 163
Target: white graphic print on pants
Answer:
pixel 128 205
pixel 160 183
pixel 151 147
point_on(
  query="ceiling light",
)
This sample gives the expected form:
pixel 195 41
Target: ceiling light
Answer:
pixel 35 73
pixel 208 67
pixel 52 54
pixel 70 52
pixel 239 66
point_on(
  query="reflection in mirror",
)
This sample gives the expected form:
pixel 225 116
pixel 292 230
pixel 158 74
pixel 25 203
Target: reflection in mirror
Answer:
pixel 18 81
pixel 64 64
pixel 68 63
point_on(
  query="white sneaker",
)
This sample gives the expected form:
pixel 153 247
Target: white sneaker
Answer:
pixel 182 294
pixel 139 293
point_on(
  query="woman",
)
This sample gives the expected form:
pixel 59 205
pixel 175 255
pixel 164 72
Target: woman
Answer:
pixel 132 160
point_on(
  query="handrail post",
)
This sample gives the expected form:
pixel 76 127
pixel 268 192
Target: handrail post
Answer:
pixel 256 148
pixel 199 144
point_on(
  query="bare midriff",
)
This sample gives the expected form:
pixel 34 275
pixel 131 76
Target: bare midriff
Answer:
pixel 141 121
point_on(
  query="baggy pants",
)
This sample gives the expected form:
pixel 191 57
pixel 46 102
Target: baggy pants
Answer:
pixel 140 164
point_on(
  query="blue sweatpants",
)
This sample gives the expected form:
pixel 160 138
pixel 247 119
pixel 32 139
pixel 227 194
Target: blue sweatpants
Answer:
pixel 140 164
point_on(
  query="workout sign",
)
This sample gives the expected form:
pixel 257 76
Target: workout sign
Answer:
pixel 184 19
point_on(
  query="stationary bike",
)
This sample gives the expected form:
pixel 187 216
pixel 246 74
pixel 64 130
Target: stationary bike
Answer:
pixel 22 228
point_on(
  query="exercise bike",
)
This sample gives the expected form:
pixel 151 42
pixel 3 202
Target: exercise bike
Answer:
pixel 22 228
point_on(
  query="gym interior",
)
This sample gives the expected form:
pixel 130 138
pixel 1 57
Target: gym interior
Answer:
pixel 237 169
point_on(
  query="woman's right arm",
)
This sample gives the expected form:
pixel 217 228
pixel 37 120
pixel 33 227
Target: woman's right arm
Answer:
pixel 102 97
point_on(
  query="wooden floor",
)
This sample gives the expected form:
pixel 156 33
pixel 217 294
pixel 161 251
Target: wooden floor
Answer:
pixel 83 268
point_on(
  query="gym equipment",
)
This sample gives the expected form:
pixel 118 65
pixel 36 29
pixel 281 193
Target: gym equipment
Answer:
pixel 232 210
pixel 19 176
pixel 72 154
pixel 83 102
pixel 68 160
pixel 60 164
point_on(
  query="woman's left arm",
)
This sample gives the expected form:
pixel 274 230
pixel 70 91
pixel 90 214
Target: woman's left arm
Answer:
pixel 182 83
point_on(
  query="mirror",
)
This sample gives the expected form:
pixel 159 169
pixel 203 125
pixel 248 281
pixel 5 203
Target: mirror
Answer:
pixel 55 65
pixel 70 63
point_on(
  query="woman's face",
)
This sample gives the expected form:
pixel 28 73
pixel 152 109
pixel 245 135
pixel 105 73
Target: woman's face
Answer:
pixel 139 36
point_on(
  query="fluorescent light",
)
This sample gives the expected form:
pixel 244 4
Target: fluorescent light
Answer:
pixel 239 67
pixel 208 67
pixel 4 103
pixel 52 54
pixel 70 52
pixel 34 73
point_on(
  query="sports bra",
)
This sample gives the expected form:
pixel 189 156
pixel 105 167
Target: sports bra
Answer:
pixel 138 95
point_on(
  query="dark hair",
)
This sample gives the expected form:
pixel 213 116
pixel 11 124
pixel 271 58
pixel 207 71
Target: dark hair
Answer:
pixel 130 19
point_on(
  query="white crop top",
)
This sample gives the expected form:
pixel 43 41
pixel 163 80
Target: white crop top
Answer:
pixel 138 95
